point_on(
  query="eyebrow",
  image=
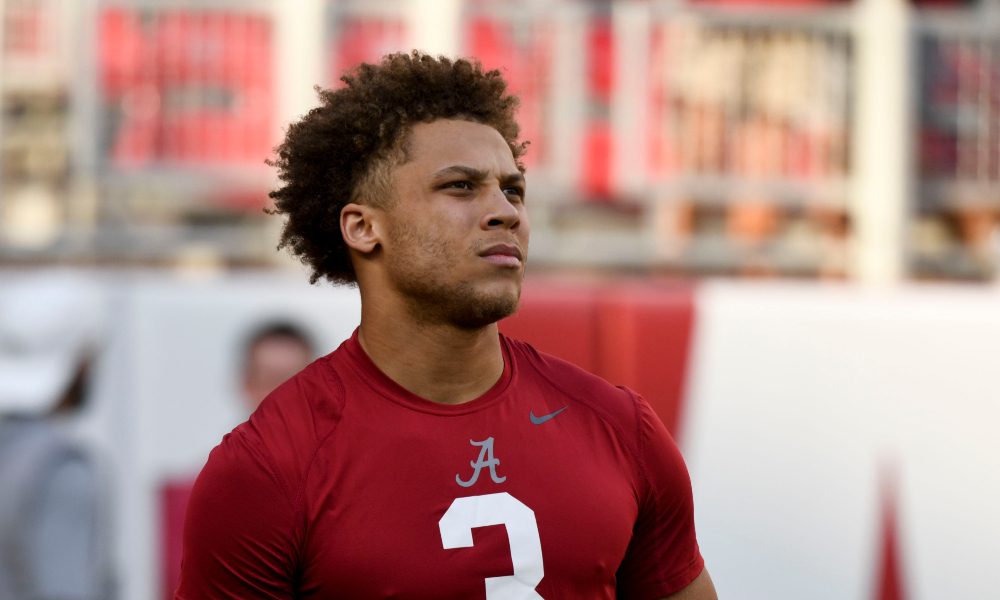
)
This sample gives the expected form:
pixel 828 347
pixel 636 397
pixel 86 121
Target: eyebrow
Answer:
pixel 515 178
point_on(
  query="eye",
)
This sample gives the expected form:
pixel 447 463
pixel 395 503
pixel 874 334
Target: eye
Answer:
pixel 459 185
pixel 514 191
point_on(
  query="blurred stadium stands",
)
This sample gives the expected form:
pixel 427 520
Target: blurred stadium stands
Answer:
pixel 712 138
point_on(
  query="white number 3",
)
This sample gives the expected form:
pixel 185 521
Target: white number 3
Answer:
pixel 464 514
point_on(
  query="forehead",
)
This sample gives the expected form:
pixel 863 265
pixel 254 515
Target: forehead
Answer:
pixel 277 344
pixel 446 142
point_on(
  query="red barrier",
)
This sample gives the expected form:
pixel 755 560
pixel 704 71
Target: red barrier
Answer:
pixel 560 320
pixel 645 334
pixel 633 334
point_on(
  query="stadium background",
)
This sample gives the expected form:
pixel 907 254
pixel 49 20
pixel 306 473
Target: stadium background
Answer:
pixel 776 220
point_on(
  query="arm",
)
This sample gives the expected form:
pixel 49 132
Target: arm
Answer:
pixel 663 559
pixel 699 589
pixel 240 534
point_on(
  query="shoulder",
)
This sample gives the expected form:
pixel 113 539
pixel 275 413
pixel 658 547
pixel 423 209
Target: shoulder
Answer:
pixel 281 437
pixel 616 405
pixel 308 405
pixel 251 486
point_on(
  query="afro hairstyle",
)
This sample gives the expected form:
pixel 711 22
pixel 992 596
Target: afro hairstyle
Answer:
pixel 332 156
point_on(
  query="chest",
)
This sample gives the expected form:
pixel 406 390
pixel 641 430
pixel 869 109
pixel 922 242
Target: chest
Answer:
pixel 480 506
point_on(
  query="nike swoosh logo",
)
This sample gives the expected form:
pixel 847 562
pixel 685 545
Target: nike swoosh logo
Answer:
pixel 539 420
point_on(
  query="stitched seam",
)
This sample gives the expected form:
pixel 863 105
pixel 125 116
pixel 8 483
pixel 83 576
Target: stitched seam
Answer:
pixel 300 495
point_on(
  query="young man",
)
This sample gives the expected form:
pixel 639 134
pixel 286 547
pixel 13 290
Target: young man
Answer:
pixel 428 456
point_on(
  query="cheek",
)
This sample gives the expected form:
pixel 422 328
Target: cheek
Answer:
pixel 453 228
pixel 439 236
pixel 424 247
pixel 460 220
pixel 524 229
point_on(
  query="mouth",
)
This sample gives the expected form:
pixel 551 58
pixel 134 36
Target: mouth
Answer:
pixel 503 255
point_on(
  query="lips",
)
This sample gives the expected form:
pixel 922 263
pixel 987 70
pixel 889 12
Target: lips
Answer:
pixel 506 255
pixel 503 250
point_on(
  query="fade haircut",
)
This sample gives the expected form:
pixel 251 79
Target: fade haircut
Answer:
pixel 344 150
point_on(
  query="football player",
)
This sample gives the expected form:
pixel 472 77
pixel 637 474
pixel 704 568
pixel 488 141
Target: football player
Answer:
pixel 429 456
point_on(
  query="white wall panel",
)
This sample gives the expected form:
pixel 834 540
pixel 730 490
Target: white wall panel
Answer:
pixel 803 399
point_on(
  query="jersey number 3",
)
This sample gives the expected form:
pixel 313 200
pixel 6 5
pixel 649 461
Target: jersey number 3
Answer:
pixel 470 512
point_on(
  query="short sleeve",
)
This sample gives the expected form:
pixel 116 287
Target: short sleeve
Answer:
pixel 663 556
pixel 240 536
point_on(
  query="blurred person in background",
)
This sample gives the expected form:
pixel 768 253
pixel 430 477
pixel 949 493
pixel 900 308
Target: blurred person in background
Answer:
pixel 273 351
pixel 55 541
pixel 366 475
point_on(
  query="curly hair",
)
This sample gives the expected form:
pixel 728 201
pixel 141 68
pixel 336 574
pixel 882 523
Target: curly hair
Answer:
pixel 344 150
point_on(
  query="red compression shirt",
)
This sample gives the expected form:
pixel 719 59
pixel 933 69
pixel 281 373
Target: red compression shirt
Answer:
pixel 553 484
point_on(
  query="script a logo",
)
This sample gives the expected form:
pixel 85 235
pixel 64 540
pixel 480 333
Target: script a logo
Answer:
pixel 485 460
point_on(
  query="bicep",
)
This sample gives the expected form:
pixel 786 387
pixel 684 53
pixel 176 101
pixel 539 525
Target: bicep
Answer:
pixel 701 588
pixel 663 555
pixel 239 532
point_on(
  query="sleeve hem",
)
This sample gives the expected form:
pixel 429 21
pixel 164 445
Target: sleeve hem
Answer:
pixel 675 583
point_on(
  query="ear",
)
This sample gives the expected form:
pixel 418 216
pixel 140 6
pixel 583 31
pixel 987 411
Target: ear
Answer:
pixel 359 227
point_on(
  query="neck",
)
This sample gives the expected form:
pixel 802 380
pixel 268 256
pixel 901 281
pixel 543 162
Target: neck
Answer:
pixel 436 361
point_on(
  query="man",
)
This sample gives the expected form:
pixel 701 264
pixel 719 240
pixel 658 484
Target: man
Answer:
pixel 386 468
pixel 55 541
pixel 272 353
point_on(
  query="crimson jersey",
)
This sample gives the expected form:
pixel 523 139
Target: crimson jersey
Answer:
pixel 553 484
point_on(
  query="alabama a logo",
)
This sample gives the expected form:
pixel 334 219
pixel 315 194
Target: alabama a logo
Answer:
pixel 486 460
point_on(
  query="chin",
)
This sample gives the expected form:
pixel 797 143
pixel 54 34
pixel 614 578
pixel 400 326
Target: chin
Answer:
pixel 463 303
pixel 475 309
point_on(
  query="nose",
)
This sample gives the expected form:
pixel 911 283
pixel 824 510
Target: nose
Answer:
pixel 501 213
